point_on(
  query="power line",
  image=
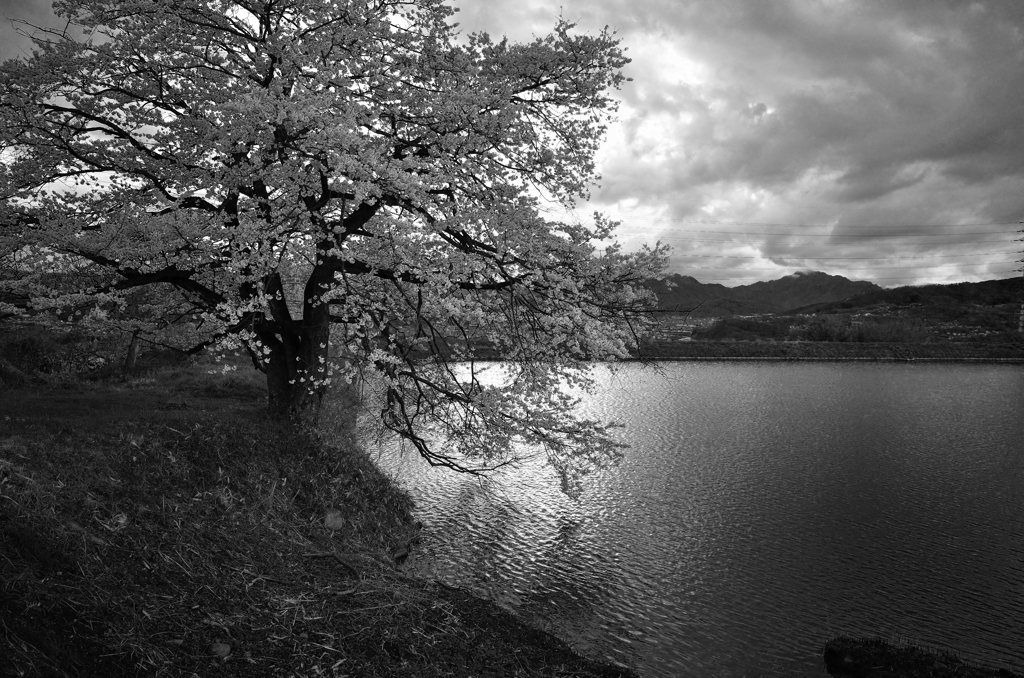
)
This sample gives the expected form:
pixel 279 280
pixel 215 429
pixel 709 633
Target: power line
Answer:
pixel 866 267
pixel 878 234
pixel 903 231
pixel 887 234
pixel 711 222
pixel 816 258
pixel 880 228
pixel 902 277
pixel 670 237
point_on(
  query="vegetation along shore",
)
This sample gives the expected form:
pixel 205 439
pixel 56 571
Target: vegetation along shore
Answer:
pixel 808 350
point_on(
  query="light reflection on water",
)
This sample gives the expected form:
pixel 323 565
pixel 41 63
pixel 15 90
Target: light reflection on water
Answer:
pixel 762 508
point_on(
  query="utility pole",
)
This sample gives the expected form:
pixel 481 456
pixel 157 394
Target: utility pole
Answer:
pixel 1020 321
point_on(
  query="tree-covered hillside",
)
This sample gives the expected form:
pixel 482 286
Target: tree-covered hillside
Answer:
pixel 985 311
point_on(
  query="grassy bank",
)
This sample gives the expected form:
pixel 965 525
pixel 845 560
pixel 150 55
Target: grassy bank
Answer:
pixel 824 350
pixel 162 526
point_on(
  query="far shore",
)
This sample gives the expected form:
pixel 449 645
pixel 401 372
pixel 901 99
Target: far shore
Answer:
pixel 947 352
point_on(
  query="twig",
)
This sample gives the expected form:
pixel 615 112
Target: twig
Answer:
pixel 368 609
pixel 343 593
pixel 341 561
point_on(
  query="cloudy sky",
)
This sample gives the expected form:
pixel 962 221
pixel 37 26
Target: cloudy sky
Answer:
pixel 877 140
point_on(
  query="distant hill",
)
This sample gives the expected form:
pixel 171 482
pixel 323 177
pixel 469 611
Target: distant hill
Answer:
pixel 985 293
pixel 684 292
pixel 985 311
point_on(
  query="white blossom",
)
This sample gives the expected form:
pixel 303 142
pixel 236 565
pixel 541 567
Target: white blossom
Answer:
pixel 279 170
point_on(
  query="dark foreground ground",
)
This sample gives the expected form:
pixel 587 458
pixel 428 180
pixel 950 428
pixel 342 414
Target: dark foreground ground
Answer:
pixel 163 527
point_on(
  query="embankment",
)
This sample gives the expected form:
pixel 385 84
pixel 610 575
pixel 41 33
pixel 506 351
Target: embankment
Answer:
pixel 165 527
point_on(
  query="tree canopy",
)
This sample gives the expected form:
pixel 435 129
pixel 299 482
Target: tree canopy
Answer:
pixel 280 168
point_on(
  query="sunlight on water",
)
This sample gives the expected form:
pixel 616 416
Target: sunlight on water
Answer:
pixel 762 508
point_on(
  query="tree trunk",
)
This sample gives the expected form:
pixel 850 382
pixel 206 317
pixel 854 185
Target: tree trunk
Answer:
pixel 280 386
pixel 298 368
pixel 132 354
pixel 294 390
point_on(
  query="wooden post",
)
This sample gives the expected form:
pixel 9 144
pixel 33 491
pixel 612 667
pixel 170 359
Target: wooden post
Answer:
pixel 1020 321
pixel 131 355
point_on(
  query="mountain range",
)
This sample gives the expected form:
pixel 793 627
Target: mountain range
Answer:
pixel 987 293
pixel 683 292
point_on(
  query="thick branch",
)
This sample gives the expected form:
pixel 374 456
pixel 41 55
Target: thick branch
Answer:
pixel 170 274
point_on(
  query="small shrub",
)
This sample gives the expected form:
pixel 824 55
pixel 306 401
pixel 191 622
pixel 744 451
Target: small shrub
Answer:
pixel 744 329
pixel 896 331
pixel 827 328
pixel 62 349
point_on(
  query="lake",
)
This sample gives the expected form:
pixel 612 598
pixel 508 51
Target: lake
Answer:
pixel 762 508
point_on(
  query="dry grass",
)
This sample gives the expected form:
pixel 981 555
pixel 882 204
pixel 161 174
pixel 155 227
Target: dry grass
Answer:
pixel 164 527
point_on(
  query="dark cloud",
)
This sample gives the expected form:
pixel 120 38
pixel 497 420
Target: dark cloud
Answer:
pixel 827 115
pixel 820 116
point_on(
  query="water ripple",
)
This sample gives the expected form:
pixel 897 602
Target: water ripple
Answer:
pixel 761 509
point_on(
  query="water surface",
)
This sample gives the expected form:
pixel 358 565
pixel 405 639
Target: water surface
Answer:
pixel 761 509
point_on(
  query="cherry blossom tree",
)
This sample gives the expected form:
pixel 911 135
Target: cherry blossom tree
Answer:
pixel 285 168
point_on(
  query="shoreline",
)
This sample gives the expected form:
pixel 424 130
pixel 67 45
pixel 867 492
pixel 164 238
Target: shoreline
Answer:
pixel 947 352
pixel 165 526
